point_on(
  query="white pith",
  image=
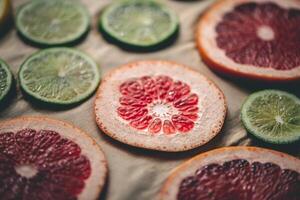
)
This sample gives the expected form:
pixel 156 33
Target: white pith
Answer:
pixel 206 39
pixel 89 148
pixel 26 170
pixel 265 33
pixel 211 104
pixel 252 154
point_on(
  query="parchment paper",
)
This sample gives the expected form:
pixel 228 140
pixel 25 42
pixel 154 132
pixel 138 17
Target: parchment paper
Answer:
pixel 136 174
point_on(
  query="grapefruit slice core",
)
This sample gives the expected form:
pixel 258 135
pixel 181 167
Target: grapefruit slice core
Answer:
pixel 167 108
pixel 43 158
pixel 235 173
pixel 252 38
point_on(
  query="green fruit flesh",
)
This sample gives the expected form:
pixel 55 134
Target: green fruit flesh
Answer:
pixel 141 23
pixel 5 80
pixel 59 75
pixel 273 116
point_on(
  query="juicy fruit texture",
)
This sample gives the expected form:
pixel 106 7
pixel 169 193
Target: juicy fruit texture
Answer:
pixel 273 116
pixel 59 75
pixel 41 165
pixel 158 104
pixel 52 22
pixel 5 80
pixel 261 35
pixel 241 180
pixel 141 23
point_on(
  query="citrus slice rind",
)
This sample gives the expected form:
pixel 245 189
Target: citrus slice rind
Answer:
pixel 54 22
pixel 272 116
pixel 139 23
pixel 6 79
pixel 168 108
pixel 60 76
pixel 235 38
pixel 57 160
pixel 269 162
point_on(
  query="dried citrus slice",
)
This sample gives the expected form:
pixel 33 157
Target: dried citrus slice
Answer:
pixel 59 76
pixel 139 23
pixel 52 22
pixel 273 116
pixel 167 108
pixel 5 80
pixel 43 158
pixel 235 173
pixel 255 39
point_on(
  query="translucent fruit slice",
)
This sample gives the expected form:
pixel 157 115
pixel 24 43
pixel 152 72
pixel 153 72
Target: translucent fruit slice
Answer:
pixel 52 22
pixel 243 173
pixel 43 158
pixel 252 39
pixel 4 12
pixel 5 80
pixel 273 116
pixel 168 108
pixel 139 23
pixel 59 76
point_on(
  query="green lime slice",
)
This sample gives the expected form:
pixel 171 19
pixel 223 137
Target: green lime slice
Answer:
pixel 5 80
pixel 273 116
pixel 139 23
pixel 59 75
pixel 52 22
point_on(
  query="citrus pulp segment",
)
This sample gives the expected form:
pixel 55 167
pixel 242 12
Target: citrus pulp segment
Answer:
pixel 244 173
pixel 59 76
pixel 254 39
pixel 52 22
pixel 43 158
pixel 167 108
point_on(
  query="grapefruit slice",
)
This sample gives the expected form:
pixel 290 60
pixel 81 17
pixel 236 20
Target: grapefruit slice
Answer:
pixel 254 39
pixel 43 158
pixel 243 173
pixel 159 105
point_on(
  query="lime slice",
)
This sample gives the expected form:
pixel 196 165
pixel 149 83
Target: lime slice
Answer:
pixel 59 76
pixel 54 22
pixel 139 23
pixel 5 80
pixel 273 116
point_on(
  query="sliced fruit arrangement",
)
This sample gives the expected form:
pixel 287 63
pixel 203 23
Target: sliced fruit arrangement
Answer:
pixel 255 39
pixel 43 158
pixel 6 80
pixel 229 173
pixel 5 12
pixel 54 22
pixel 139 23
pixel 273 116
pixel 59 75
pixel 159 105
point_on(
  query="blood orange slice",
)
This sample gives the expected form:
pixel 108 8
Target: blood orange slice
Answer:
pixel 159 105
pixel 42 158
pixel 241 173
pixel 256 39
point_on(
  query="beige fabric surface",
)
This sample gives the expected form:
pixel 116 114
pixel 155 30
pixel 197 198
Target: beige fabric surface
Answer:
pixel 136 174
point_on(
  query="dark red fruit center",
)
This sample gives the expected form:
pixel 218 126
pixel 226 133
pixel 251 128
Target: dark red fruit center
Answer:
pixel 158 104
pixel 240 180
pixel 262 35
pixel 37 165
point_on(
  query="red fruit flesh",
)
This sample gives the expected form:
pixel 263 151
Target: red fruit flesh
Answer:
pixel 158 104
pixel 262 35
pixel 41 165
pixel 240 180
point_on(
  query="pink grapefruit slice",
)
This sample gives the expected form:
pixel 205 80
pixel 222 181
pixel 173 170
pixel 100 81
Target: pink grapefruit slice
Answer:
pixel 159 105
pixel 253 39
pixel 42 158
pixel 241 173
